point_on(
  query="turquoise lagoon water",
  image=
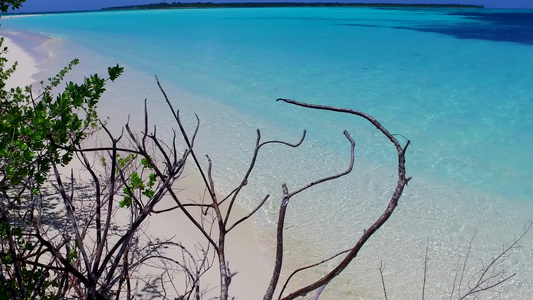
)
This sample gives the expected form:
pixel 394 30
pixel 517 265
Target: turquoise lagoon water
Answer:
pixel 457 83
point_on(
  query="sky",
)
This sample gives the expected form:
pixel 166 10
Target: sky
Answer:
pixel 68 5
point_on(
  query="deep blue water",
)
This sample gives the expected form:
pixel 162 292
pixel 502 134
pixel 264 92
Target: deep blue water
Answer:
pixel 497 26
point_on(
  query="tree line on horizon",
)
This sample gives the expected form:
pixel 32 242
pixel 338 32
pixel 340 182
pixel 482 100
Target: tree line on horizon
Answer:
pixel 165 5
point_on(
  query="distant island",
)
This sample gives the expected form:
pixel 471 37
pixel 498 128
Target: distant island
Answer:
pixel 164 5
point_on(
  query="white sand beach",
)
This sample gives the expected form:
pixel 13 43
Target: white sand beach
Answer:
pixel 26 68
pixel 243 251
pixel 19 16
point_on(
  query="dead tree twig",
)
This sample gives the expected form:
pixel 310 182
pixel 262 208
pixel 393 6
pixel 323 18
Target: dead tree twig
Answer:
pixel 492 274
pixel 381 268
pixel 393 202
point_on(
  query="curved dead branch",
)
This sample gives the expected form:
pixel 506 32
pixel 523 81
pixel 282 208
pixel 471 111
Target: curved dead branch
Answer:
pixel 393 202
pixel 281 219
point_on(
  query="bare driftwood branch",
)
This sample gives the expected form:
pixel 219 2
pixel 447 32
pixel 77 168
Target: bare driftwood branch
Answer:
pixel 244 181
pixel 393 202
pixel 281 219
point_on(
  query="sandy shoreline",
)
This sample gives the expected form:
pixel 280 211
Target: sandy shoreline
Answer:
pixel 242 248
pixel 26 68
pixel 19 16
pixel 243 251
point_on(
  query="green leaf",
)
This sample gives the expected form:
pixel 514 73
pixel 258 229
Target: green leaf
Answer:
pixel 73 254
pixel 17 231
pixel 151 180
pixel 126 202
pixel 136 181
pixel 15 180
pixel 10 171
pixel 114 72
pixel 146 163
pixel 29 246
pixel 148 193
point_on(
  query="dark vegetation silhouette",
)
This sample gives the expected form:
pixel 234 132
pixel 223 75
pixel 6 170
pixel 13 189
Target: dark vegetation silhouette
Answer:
pixel 165 5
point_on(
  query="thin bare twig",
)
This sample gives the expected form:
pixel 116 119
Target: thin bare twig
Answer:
pixel 426 259
pixel 381 268
pixel 485 281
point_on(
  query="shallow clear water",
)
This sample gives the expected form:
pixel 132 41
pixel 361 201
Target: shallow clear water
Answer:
pixel 457 83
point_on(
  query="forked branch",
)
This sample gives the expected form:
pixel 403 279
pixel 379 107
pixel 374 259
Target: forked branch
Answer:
pixel 393 201
pixel 281 219
pixel 491 275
